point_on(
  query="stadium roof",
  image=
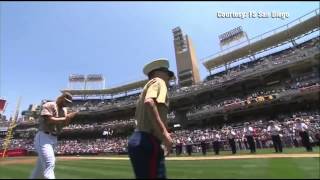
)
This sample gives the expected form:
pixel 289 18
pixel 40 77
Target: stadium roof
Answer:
pixel 114 90
pixel 264 41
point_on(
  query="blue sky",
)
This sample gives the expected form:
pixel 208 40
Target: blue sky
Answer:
pixel 42 43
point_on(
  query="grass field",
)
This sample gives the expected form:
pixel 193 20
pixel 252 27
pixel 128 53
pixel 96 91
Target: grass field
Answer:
pixel 301 168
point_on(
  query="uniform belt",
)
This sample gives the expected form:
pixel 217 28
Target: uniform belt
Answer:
pixel 50 133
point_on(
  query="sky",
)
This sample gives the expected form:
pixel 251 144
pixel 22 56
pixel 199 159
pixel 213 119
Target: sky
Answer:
pixel 42 43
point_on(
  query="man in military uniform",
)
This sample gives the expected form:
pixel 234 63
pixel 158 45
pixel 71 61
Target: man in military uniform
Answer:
pixel 231 136
pixel 302 129
pixel 144 145
pixel 189 146
pixel 53 117
pixel 203 145
pixel 274 131
pixel 248 132
pixel 216 142
pixel 178 147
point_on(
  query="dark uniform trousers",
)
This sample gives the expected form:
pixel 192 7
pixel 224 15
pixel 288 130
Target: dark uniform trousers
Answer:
pixel 318 138
pixel 146 156
pixel 204 147
pixel 277 144
pixel 232 145
pixel 216 147
pixel 252 144
pixel 240 146
pixel 305 140
pixel 295 142
pixel 189 149
pixel 179 148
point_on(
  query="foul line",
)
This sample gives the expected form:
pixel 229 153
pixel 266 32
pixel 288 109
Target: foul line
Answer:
pixel 256 156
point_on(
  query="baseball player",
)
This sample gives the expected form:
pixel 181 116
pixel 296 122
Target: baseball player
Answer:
pixel 144 145
pixel 53 117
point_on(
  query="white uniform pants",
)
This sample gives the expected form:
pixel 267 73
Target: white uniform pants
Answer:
pixel 44 145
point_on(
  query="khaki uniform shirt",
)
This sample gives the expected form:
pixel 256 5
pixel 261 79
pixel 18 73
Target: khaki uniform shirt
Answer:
pixel 51 109
pixel 274 130
pixel 231 134
pixel 157 89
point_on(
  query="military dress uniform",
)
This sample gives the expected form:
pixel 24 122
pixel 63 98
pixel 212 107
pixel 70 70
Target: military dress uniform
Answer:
pixel 302 129
pixel 178 147
pixel 231 136
pixel 274 131
pixel 189 146
pixel 216 143
pixel 248 131
pixel 144 145
pixel 203 145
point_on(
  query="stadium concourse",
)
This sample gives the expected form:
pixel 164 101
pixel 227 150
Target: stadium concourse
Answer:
pixel 281 86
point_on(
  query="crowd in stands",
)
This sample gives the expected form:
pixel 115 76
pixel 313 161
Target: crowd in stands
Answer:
pixel 113 145
pixel 257 96
pixel 265 62
pixel 96 104
pixel 20 143
pixel 97 126
pixel 107 126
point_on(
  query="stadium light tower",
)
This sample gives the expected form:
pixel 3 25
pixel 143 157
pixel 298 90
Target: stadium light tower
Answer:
pixel 92 79
pixel 74 79
pixel 232 36
pixel 187 64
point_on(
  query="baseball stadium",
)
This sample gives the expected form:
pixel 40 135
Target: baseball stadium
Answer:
pixel 269 79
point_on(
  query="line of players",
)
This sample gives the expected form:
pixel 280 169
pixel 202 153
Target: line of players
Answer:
pixel 273 130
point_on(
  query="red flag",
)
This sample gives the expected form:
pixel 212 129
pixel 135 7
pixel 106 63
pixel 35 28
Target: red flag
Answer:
pixel 2 104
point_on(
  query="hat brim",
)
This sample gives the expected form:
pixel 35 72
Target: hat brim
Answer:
pixel 68 100
pixel 170 73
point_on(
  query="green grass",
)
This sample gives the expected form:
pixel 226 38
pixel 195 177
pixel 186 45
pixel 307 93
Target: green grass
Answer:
pixel 115 169
pixel 301 168
pixel 258 151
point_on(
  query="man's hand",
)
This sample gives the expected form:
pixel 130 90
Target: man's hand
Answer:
pixel 167 141
pixel 69 117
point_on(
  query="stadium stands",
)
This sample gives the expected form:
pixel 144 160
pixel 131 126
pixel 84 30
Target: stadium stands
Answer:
pixel 273 82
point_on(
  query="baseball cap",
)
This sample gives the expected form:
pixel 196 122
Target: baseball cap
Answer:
pixel 67 96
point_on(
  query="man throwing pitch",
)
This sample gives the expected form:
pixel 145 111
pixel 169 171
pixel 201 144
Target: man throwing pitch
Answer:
pixel 144 146
pixel 53 117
